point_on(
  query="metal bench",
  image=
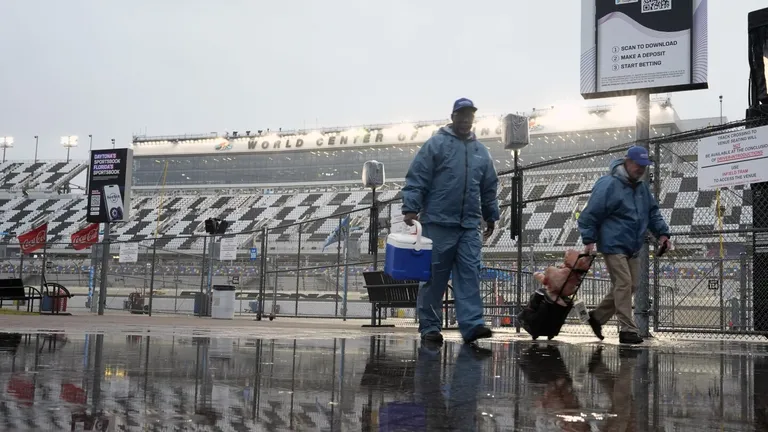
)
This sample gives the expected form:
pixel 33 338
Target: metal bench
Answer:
pixel 55 292
pixel 14 289
pixel 384 292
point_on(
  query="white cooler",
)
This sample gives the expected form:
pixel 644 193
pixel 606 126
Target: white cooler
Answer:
pixel 223 306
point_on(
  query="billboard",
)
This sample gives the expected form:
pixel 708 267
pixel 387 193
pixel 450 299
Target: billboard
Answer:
pixel 109 185
pixel 655 45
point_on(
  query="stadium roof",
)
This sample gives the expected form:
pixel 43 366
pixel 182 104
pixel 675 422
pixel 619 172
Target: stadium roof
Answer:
pixel 554 119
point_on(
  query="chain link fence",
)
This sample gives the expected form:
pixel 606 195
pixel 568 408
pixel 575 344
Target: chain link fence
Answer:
pixel 713 282
pixel 705 285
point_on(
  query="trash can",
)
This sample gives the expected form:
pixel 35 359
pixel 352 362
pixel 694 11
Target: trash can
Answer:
pixel 202 304
pixel 223 302
pixel 137 303
pixel 46 305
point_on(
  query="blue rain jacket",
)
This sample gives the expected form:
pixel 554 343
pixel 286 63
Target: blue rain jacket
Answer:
pixel 452 182
pixel 619 213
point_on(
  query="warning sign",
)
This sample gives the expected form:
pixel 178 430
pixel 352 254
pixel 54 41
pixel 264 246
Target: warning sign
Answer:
pixel 734 158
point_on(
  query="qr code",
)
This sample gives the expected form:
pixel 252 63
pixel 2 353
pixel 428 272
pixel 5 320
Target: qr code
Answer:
pixel 656 5
pixel 95 200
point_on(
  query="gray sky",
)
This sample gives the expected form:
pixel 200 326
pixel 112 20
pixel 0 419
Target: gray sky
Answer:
pixel 112 69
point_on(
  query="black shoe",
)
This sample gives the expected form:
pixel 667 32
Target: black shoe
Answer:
pixel 479 353
pixel 479 332
pixel 596 327
pixel 595 360
pixel 433 337
pixel 630 338
pixel 629 353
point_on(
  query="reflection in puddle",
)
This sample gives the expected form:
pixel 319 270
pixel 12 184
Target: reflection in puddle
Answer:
pixel 109 382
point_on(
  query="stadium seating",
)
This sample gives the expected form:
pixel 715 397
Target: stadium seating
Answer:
pixel 550 223
pixel 39 176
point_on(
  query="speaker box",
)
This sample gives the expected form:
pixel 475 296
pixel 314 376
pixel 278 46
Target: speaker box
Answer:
pixel 757 33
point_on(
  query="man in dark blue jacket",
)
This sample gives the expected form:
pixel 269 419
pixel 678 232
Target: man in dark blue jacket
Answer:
pixel 451 188
pixel 620 211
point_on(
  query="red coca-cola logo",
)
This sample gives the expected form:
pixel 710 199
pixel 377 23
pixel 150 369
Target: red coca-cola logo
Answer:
pixel 39 239
pixel 86 237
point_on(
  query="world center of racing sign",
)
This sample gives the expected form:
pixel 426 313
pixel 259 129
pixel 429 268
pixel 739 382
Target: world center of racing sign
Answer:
pixel 734 158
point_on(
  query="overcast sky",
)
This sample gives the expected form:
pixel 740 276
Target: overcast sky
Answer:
pixel 114 69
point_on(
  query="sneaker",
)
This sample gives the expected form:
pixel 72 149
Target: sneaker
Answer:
pixel 433 336
pixel 596 327
pixel 479 332
pixel 630 338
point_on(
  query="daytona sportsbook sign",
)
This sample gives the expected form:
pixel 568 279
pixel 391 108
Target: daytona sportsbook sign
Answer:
pixel 109 185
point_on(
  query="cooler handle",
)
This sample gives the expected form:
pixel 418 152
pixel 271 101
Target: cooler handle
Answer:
pixel 417 246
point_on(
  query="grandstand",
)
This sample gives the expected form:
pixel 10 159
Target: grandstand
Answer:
pixel 290 180
pixel 273 178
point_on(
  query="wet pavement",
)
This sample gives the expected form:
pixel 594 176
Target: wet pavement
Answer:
pixel 124 381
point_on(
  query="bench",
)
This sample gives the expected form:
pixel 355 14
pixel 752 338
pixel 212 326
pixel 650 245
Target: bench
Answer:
pixel 14 289
pixel 384 292
pixel 55 292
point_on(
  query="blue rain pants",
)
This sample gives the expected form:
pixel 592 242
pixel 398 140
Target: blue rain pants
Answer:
pixel 457 250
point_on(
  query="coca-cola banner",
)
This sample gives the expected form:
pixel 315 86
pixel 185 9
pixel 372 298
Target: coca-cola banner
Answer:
pixel 33 240
pixel 86 237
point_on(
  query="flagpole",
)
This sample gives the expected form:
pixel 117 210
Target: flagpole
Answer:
pixel 21 265
pixel 45 261
pixel 21 276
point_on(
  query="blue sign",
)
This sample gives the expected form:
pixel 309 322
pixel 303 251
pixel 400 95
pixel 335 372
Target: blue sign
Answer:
pixel 91 283
pixel 254 254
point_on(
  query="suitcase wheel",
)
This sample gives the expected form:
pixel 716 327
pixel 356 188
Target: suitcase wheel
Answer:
pixel 534 337
pixel 550 337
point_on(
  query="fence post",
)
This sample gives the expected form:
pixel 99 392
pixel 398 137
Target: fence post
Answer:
pixel 373 239
pixel 744 268
pixel 262 274
pixel 152 275
pixel 273 312
pixel 209 289
pixel 721 287
pixel 642 297
pixel 21 266
pixel 92 277
pixel 346 233
pixel 517 190
pixel 202 278
pixel 105 249
pixel 298 275
pixel 338 274
pixel 656 195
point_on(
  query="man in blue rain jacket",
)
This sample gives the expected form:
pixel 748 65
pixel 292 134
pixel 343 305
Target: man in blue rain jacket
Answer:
pixel 451 188
pixel 621 209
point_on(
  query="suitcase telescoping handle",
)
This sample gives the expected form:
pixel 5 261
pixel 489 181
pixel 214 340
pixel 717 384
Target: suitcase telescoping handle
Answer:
pixel 581 273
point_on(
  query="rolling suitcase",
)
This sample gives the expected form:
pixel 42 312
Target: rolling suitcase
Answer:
pixel 543 316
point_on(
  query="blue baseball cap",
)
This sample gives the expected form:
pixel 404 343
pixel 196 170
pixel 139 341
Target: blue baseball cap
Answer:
pixel 639 155
pixel 463 103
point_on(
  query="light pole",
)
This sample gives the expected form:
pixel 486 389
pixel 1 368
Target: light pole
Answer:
pixel 113 143
pixel 6 143
pixel 721 109
pixel 36 142
pixel 90 142
pixel 69 142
